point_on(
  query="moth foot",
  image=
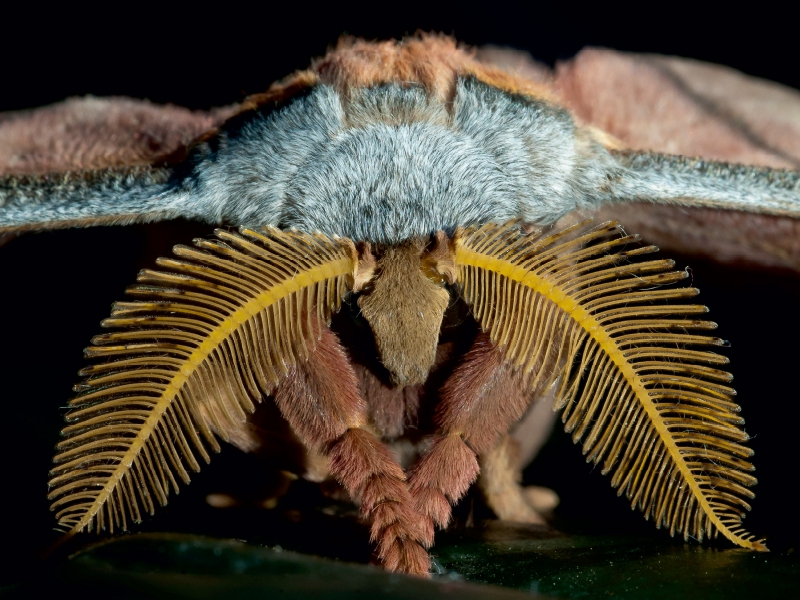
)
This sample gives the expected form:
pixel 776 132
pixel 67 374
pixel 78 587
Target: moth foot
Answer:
pixel 406 556
pixel 543 500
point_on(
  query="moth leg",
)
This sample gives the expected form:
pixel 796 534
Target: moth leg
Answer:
pixel 479 402
pixel 320 399
pixel 499 480
pixel 501 467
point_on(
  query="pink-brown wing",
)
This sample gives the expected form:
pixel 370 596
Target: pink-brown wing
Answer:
pixel 680 106
pixel 95 141
pixel 96 133
pixel 685 107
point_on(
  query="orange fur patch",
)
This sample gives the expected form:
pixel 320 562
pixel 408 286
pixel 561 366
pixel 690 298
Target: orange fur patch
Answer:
pixel 280 91
pixel 430 60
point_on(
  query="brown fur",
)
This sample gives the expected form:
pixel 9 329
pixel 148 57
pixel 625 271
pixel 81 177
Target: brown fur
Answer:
pixel 357 456
pixel 363 465
pixel 405 311
pixel 388 508
pixel 483 396
pixel 433 504
pixel 280 91
pixel 449 466
pixel 320 397
pixel 321 401
pixel 518 62
pixel 432 61
pixel 479 402
pixel 444 473
pixel 366 468
pixel 386 499
pixel 391 409
pixel 407 556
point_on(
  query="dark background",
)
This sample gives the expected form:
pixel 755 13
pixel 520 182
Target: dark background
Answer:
pixel 55 287
pixel 201 58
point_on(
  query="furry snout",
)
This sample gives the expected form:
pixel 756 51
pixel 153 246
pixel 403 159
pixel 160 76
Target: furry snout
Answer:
pixel 405 309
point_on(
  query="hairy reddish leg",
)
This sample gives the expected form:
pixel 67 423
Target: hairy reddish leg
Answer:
pixel 479 402
pixel 367 468
pixel 320 399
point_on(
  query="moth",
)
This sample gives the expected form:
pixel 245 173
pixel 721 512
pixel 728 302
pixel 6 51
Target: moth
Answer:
pixel 405 226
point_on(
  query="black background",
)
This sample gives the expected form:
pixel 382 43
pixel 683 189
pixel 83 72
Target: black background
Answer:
pixel 55 287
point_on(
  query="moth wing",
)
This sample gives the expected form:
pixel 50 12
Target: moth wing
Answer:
pixel 111 161
pixel 676 106
pixel 91 133
pixel 682 106
pixel 102 160
pixel 208 335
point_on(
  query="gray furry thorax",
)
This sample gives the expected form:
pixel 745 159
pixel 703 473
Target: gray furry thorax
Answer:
pixel 388 164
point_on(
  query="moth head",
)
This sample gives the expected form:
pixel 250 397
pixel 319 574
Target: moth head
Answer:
pixel 403 298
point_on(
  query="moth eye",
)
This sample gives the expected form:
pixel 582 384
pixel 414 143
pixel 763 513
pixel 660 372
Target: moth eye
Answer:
pixel 367 287
pixel 438 260
pixel 429 269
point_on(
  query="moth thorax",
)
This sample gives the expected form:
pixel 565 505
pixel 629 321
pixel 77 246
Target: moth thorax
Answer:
pixel 404 304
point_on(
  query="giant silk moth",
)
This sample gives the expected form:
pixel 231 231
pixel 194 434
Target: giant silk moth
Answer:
pixel 398 210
